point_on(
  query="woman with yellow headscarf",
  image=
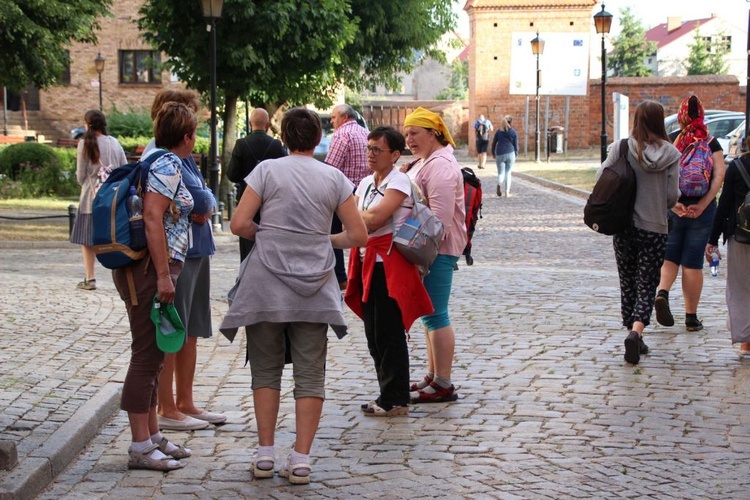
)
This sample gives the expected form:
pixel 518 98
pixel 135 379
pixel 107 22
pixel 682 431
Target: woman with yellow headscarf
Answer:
pixel 437 173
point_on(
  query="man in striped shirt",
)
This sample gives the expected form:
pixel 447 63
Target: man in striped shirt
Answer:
pixel 347 152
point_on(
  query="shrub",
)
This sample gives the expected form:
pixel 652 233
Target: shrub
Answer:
pixel 129 144
pixel 129 124
pixel 31 169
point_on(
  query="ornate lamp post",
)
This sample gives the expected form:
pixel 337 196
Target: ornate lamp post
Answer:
pixel 603 21
pixel 99 65
pixel 212 12
pixel 537 48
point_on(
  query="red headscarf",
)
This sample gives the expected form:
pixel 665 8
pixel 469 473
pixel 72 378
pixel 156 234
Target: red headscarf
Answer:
pixel 693 128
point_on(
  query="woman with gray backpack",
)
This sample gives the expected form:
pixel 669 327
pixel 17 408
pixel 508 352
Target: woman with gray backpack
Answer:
pixel 731 221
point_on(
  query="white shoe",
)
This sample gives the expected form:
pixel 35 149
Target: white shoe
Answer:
pixel 186 424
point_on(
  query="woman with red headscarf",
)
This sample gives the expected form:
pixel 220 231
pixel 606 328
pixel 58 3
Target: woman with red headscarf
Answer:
pixel 691 221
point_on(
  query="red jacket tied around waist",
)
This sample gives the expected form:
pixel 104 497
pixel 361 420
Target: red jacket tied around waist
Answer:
pixel 401 276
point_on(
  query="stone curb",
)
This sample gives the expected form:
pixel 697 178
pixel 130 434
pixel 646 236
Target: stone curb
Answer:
pixel 33 474
pixel 580 193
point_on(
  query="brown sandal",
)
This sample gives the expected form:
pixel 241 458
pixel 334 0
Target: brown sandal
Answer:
pixel 144 461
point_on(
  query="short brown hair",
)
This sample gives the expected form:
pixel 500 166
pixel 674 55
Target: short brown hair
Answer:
pixel 189 98
pixel 301 129
pixel 173 122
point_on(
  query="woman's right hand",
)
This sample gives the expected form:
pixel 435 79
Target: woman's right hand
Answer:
pixel 165 289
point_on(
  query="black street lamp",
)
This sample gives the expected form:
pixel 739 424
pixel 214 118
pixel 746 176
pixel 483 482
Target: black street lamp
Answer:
pixel 747 82
pixel 603 21
pixel 99 65
pixel 537 48
pixel 212 12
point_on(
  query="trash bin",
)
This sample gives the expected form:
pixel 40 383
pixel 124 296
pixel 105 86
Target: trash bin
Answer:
pixel 555 138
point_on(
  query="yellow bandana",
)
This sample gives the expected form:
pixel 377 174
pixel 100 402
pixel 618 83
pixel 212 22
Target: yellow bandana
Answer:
pixel 421 117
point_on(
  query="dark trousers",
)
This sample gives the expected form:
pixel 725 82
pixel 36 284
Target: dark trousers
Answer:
pixel 639 256
pixel 386 340
pixel 340 268
pixel 146 360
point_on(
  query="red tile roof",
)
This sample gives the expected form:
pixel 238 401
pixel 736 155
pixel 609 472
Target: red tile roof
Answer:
pixel 662 37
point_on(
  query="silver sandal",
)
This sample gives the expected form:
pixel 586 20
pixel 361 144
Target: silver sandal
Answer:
pixel 180 452
pixel 144 461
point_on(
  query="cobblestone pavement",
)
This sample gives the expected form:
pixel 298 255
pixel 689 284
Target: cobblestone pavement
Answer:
pixel 547 406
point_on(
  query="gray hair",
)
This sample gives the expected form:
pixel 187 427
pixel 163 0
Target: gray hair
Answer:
pixel 347 111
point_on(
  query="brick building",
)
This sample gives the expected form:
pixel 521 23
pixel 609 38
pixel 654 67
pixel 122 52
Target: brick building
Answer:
pixel 493 21
pixel 131 77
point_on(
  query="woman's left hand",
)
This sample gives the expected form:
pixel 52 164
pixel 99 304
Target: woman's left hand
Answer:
pixel 694 211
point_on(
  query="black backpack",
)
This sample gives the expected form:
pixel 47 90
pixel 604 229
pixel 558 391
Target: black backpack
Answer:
pixel 742 229
pixel 609 209
pixel 483 131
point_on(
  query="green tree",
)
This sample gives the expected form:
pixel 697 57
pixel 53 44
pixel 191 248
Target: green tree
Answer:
pixel 277 53
pixel 707 56
pixel 458 88
pixel 34 36
pixel 630 48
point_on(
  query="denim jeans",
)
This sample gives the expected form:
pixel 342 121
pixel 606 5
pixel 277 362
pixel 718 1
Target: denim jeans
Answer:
pixel 686 245
pixel 504 166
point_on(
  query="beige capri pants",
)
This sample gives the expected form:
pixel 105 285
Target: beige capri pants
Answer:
pixel 309 347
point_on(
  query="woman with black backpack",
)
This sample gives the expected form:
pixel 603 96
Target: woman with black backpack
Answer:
pixel 639 249
pixel 731 203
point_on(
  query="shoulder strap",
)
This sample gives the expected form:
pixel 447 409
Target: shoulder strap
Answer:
pixel 146 165
pixel 742 170
pixel 624 150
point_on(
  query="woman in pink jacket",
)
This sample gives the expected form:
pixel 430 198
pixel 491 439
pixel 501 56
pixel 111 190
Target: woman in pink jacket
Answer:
pixel 438 176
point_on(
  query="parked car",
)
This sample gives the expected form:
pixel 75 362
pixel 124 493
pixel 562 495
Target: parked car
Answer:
pixel 737 144
pixel 720 126
pixel 670 122
pixel 78 132
pixel 321 150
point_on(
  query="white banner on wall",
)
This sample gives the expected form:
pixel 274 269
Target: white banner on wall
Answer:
pixel 564 64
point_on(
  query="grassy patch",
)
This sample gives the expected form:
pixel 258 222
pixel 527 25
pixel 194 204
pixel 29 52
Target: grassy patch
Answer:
pixel 41 230
pixel 38 204
pixel 577 177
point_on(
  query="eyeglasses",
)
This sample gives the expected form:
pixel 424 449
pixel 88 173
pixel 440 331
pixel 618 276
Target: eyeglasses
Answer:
pixel 375 150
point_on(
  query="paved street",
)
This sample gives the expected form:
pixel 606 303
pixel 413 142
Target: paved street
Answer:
pixel 547 408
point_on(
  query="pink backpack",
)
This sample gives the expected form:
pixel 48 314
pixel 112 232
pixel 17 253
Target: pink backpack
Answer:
pixel 696 166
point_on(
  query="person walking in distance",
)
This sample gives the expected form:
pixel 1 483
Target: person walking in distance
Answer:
pixel 347 153
pixel 504 151
pixel 639 250
pixel 691 218
pixel 247 153
pixel 482 128
pixel 98 153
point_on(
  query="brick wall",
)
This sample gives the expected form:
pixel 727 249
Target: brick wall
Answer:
pixel 65 106
pixel 715 92
pixel 492 23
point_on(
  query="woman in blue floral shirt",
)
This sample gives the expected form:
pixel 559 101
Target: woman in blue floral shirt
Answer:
pixel 166 209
